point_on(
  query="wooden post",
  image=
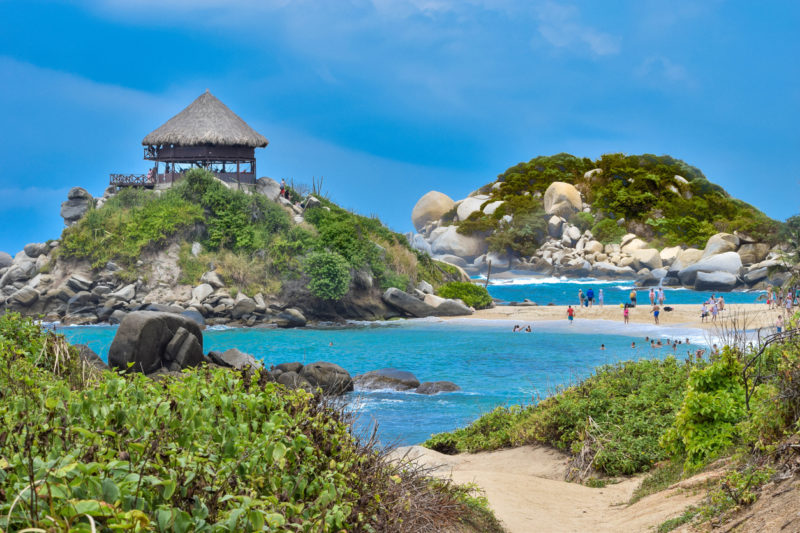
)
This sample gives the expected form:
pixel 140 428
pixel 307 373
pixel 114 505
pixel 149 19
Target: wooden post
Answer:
pixel 488 274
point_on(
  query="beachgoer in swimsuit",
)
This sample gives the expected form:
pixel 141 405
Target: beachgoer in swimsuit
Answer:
pixel 656 310
pixel 633 297
pixel 625 315
pixel 600 298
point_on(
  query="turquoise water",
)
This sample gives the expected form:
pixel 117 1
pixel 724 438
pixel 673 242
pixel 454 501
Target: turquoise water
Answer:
pixel 545 290
pixel 492 365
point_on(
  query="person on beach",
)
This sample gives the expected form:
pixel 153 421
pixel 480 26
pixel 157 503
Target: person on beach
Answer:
pixel 769 297
pixel 600 298
pixel 714 311
pixel 652 296
pixel 633 297
pixel 655 310
pixel 590 297
pixel 661 296
pixel 779 324
pixel 570 314
pixel 581 297
pixel 721 303
pixel 703 312
pixel 626 315
pixel 789 304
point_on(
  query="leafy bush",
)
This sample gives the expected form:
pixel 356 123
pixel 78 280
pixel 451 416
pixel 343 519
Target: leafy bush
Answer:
pixel 215 450
pixel 473 295
pixel 582 221
pixel 714 404
pixel 329 275
pixel 608 232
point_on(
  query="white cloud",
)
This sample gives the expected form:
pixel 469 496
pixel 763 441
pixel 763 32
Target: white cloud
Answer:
pixel 661 69
pixel 560 25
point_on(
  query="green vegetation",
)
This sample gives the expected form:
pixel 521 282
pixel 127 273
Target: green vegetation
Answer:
pixel 250 241
pixel 646 190
pixel 215 450
pixel 471 294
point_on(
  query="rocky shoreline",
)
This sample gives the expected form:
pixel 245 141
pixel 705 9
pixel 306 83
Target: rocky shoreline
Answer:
pixel 727 262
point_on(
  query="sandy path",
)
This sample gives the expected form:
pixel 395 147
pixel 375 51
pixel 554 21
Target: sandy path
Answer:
pixel 525 488
pixel 683 315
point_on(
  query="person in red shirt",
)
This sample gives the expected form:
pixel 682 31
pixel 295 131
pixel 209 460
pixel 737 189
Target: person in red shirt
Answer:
pixel 570 314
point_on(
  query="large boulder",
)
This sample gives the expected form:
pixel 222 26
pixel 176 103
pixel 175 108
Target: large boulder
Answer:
pixel 720 243
pixel 633 245
pixel 685 258
pixel 291 318
pixel 386 378
pixel 126 293
pixel 715 281
pixel 562 199
pixel 470 205
pixel 418 242
pixel 446 307
pixel 243 306
pixel 201 292
pixel 435 387
pixel 593 247
pixel 330 377
pixel 268 187
pixel 213 279
pixel 646 258
pixel 144 336
pixel 668 255
pixel 411 305
pixel 293 380
pixel 450 242
pixel 752 253
pixel 491 207
pixel 233 358
pixel 78 203
pixel 603 269
pixel 25 297
pixel 729 262
pixel 430 208
pixel 5 259
pixel 35 249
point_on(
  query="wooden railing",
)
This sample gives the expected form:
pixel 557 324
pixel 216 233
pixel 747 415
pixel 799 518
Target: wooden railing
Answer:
pixel 132 180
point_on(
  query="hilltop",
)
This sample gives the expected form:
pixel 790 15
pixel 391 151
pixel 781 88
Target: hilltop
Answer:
pixel 222 253
pixel 617 216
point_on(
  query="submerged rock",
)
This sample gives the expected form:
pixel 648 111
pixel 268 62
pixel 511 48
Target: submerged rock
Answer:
pixel 386 378
pixel 435 387
pixel 329 377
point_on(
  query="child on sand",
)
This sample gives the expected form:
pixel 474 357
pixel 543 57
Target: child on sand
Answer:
pixel 626 315
pixel 570 314
pixel 779 324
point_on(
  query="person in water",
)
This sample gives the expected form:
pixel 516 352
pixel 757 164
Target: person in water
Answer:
pixel 528 329
pixel 602 346
pixel 633 345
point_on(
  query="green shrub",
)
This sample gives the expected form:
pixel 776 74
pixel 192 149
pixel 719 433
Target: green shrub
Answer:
pixel 329 275
pixel 471 294
pixel 607 231
pixel 707 421
pixel 582 221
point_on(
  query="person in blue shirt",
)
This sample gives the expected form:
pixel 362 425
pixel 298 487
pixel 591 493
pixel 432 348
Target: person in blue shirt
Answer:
pixel 589 297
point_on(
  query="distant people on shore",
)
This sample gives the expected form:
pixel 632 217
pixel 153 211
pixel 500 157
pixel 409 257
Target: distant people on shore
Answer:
pixel 626 315
pixel 600 298
pixel 589 297
pixel 661 296
pixel 633 297
pixel 652 296
pixel 581 297
pixel 779 324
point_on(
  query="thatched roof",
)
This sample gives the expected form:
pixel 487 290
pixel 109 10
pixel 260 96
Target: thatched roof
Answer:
pixel 206 121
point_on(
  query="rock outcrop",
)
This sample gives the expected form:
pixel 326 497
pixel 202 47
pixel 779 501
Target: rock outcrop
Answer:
pixel 386 378
pixel 562 199
pixel 435 387
pixel 329 377
pixel 78 203
pixel 430 208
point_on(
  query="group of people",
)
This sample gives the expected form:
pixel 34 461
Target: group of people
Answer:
pixel 587 299
pixel 712 307
pixel 785 300
pixel 517 328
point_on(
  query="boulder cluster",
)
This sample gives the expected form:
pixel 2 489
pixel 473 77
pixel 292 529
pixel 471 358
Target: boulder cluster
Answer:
pixel 727 262
pixel 400 380
pixel 423 303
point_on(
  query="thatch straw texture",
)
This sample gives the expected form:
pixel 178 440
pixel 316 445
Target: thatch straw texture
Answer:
pixel 206 121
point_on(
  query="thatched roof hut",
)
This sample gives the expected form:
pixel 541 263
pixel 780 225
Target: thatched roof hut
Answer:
pixel 206 121
pixel 208 135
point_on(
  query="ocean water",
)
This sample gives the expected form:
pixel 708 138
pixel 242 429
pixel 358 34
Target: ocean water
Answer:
pixel 560 291
pixel 492 365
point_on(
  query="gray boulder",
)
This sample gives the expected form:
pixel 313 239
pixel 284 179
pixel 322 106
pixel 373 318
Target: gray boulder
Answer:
pixel 25 297
pixel 295 381
pixel 756 275
pixel 604 269
pixel 268 187
pixel 88 355
pixel 5 259
pixel 715 281
pixel 386 378
pixel 125 294
pixel 78 283
pixel 554 226
pixel 449 242
pixel 447 307
pixel 729 262
pixel 720 244
pixel 35 249
pixel 78 203
pixel 143 337
pixel 425 287
pixel 290 367
pixel 753 253
pixel 329 377
pixel 243 306
pixel 233 358
pixel 290 318
pixel 435 387
pixel 212 279
pixel 407 303
pixel 685 258
pixel 194 316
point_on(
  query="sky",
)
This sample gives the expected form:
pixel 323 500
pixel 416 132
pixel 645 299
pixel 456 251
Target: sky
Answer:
pixel 389 99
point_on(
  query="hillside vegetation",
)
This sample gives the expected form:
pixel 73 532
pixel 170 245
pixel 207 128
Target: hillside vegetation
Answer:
pixel 213 450
pixel 249 239
pixel 659 197
pixel 669 417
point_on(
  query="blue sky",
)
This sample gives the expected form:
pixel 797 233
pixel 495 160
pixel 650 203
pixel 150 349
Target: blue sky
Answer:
pixel 388 99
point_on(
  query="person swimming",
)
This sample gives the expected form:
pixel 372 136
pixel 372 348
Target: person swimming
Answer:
pixel 602 346
pixel 633 345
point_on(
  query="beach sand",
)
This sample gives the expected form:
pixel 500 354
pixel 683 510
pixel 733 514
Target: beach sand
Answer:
pixel 526 489
pixel 742 316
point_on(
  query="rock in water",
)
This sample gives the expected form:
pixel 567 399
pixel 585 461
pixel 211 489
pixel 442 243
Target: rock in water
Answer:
pixel 143 337
pixel 562 199
pixel 407 303
pixel 330 377
pixel 430 208
pixel 290 318
pixel 234 358
pixel 435 387
pixel 386 378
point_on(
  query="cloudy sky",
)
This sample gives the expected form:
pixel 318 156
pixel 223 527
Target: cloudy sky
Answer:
pixel 388 99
